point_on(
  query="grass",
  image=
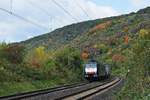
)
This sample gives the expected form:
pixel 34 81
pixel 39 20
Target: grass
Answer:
pixel 10 88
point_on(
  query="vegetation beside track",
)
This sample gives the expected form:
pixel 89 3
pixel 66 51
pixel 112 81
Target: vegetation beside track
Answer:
pixel 36 71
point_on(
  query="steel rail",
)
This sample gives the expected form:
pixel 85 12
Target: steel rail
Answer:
pixel 89 92
pixel 40 92
pixel 66 92
pixel 101 89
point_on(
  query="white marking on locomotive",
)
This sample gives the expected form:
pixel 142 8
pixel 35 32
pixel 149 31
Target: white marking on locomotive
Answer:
pixel 91 68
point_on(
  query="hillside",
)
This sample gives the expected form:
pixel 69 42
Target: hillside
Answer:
pixel 56 58
pixel 73 33
pixel 61 36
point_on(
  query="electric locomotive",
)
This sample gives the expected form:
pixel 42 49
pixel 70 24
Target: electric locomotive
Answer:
pixel 94 70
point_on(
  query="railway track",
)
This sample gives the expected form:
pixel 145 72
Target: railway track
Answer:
pixel 91 93
pixel 40 92
pixel 68 92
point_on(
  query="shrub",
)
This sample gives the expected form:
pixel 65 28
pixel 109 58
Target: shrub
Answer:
pixel 103 48
pixel 119 34
pixel 136 87
pixel 66 64
pixel 13 53
pixel 69 57
pixel 118 58
pixel 37 58
pixel 112 41
pixel 144 34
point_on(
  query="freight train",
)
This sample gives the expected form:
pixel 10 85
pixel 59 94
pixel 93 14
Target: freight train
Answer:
pixel 94 70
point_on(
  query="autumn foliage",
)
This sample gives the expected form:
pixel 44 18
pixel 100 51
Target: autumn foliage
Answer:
pixel 126 39
pixel 85 55
pixel 13 53
pixel 126 29
pixel 118 58
pixel 111 41
pixel 101 26
pixel 144 34
pixel 37 57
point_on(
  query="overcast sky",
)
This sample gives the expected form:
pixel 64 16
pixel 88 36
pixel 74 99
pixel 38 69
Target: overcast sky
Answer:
pixel 48 15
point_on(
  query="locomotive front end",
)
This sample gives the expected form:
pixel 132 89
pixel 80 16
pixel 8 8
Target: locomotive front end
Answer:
pixel 91 70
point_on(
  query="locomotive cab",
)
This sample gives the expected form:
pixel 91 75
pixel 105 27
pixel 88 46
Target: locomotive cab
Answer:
pixel 91 70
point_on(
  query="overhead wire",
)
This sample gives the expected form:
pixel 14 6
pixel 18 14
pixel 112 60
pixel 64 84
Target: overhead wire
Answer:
pixel 67 12
pixel 37 6
pixel 22 18
pixel 83 10
pixel 43 10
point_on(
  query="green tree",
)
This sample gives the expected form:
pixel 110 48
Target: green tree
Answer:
pixel 69 57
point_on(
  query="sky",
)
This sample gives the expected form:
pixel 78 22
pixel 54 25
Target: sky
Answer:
pixel 47 16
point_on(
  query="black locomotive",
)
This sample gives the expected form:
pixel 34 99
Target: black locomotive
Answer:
pixel 94 70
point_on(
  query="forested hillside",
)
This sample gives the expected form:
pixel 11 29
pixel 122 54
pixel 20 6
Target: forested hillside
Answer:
pixel 61 36
pixel 56 58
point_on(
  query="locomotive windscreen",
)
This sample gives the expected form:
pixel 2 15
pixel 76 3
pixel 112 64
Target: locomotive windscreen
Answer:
pixel 91 68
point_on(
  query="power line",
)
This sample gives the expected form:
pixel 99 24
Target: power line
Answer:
pixel 43 10
pixel 84 11
pixel 22 18
pixel 64 10
pixel 37 6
